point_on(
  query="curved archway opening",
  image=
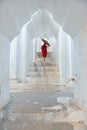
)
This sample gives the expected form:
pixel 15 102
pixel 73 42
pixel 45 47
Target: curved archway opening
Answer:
pixel 26 49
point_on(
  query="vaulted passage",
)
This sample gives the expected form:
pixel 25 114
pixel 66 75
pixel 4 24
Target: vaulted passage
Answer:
pixel 39 92
pixel 26 62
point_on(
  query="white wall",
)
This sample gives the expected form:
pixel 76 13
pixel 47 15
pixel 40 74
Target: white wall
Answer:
pixel 81 68
pixel 4 71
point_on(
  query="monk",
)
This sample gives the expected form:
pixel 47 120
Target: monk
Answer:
pixel 44 48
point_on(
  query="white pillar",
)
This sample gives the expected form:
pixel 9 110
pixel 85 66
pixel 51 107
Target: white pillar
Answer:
pixel 34 50
pixel 68 57
pixel 55 50
pixel 30 43
pixel 30 51
pixel 13 59
pixel 4 71
pixel 21 56
pixel 60 52
pixel 27 49
pixel 65 55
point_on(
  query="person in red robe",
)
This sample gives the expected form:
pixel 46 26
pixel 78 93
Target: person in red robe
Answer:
pixel 44 48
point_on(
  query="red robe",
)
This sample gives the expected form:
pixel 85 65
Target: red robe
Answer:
pixel 44 48
pixel 44 51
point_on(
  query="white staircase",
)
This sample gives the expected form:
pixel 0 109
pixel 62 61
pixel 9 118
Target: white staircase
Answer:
pixel 42 76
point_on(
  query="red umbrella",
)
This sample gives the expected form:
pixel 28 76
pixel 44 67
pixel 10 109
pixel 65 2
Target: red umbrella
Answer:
pixel 45 42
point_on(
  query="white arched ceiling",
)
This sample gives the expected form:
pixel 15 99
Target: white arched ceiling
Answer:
pixel 42 24
pixel 70 14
